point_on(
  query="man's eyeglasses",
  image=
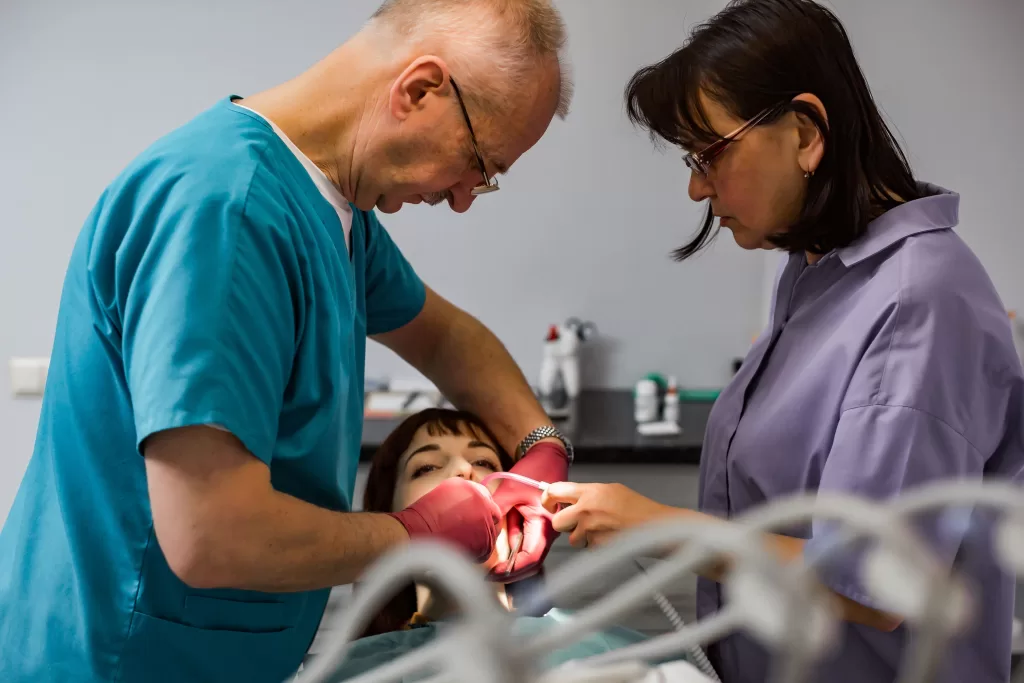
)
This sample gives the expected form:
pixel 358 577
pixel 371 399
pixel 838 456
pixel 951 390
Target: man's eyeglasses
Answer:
pixel 489 184
pixel 700 162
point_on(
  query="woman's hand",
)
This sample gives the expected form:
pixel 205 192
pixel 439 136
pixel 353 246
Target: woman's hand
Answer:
pixel 597 511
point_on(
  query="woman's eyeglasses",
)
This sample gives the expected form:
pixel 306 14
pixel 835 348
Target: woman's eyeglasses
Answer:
pixel 700 162
pixel 489 184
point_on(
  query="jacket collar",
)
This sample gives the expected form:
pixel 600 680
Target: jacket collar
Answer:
pixel 938 209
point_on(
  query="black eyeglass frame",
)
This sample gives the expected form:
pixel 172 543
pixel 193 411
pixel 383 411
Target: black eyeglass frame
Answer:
pixel 489 184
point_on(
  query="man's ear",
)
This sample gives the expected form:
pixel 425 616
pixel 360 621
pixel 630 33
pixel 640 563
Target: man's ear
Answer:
pixel 427 75
pixel 812 142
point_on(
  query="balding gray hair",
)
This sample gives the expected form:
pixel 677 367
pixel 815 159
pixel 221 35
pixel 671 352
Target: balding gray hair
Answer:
pixel 495 47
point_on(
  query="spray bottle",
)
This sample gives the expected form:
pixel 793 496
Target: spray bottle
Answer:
pixel 549 364
pixel 671 407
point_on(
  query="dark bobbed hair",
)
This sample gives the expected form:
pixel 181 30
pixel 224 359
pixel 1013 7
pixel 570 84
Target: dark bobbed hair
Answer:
pixel 382 480
pixel 754 55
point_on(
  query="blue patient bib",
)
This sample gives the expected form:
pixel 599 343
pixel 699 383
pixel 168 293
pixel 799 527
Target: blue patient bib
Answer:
pixel 367 654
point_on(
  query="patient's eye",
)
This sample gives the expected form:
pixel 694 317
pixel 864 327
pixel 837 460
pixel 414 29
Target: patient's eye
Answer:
pixel 486 462
pixel 422 470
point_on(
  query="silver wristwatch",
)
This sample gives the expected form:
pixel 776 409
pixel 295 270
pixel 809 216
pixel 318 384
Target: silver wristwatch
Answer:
pixel 546 432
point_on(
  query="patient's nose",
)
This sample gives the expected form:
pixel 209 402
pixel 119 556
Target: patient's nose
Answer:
pixel 463 469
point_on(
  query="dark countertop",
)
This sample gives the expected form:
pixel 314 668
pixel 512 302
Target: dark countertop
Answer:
pixel 602 430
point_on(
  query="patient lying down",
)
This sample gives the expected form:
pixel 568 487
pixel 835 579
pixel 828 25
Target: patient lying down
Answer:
pixel 417 456
pixel 423 451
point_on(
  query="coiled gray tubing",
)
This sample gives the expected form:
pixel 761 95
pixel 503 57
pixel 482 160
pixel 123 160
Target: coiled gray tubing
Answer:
pixel 700 659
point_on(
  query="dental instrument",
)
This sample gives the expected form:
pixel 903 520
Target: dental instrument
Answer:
pixel 512 476
pixel 512 555
pixel 759 584
pixel 485 629
pixel 526 481
pixel 696 653
pixel 866 519
pixel 901 572
pixel 485 639
pixel 784 607
pixel 1008 536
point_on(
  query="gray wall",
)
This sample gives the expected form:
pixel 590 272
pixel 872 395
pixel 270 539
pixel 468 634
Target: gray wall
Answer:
pixel 594 208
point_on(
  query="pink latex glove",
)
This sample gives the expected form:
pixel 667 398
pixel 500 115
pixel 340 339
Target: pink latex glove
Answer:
pixel 525 516
pixel 458 511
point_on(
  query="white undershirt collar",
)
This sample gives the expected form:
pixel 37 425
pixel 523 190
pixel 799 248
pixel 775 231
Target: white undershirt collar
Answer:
pixel 327 189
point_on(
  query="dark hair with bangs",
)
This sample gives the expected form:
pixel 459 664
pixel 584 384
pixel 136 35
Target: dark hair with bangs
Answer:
pixel 382 480
pixel 757 54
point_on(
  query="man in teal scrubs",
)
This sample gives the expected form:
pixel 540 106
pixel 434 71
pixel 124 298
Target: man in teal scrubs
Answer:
pixel 214 319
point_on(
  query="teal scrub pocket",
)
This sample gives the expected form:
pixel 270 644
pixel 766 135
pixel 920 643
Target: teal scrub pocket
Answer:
pixel 238 615
pixel 162 651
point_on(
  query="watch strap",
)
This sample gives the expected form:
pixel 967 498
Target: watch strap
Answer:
pixel 545 432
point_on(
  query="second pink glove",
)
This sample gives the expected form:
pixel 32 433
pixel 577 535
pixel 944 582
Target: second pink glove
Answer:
pixel 547 462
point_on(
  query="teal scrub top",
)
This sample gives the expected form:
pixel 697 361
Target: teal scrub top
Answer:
pixel 211 284
pixel 367 654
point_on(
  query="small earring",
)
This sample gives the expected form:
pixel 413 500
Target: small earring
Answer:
pixel 807 174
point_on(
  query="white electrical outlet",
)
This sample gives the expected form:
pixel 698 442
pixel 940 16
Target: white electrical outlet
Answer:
pixel 28 376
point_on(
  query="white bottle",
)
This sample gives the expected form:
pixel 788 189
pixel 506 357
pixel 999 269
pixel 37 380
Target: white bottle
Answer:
pixel 549 367
pixel 569 362
pixel 646 401
pixel 671 413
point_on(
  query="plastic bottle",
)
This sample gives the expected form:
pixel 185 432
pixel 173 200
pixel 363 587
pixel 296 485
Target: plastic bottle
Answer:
pixel 569 362
pixel 549 365
pixel 671 410
pixel 646 401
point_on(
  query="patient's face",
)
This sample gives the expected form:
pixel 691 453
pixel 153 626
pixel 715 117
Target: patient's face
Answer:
pixel 429 460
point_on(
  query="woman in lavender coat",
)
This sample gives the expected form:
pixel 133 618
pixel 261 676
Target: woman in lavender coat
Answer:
pixel 888 361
